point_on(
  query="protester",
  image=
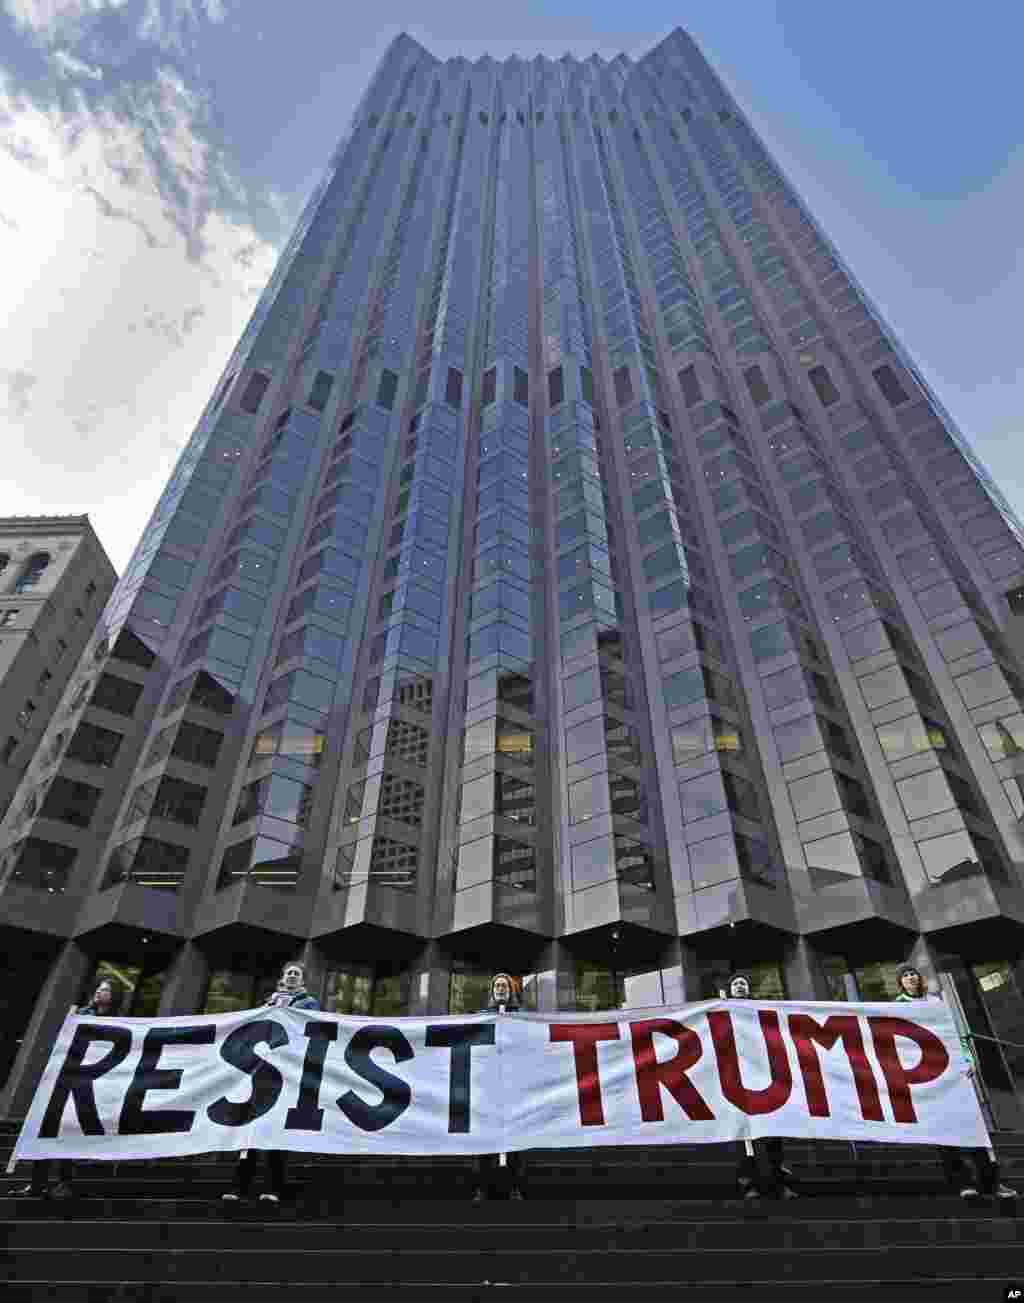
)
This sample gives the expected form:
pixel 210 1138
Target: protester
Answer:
pixel 973 1171
pixel 291 993
pixel 504 998
pixel 105 1003
pixel 749 1173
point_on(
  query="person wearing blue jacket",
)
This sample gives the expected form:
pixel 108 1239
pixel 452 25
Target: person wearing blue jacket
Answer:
pixel 291 993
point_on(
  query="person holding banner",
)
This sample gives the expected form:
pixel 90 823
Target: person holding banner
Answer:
pixel 504 999
pixel 971 1170
pixel 105 1003
pixel 760 1154
pixel 291 993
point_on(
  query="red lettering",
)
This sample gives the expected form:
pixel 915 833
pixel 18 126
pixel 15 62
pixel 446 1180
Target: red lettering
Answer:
pixel 807 1033
pixel 651 1075
pixel 752 1102
pixel 584 1038
pixel 933 1062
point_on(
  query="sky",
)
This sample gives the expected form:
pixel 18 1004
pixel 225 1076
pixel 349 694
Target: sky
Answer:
pixel 155 154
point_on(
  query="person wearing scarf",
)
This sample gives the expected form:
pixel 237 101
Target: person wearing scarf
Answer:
pixel 105 1003
pixel 291 993
pixel 504 997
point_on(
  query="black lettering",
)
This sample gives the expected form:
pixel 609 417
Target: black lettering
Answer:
pixel 306 1115
pixel 76 1080
pixel 239 1049
pixel 396 1092
pixel 160 1122
pixel 460 1037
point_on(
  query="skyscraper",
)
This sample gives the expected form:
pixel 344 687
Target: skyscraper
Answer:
pixel 571 573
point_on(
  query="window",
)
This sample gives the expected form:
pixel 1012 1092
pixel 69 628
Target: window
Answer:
pixel 823 386
pixel 116 695
pixel 129 648
pixel 556 387
pixel 757 385
pixel 453 388
pixel 70 802
pixel 25 715
pixel 197 745
pixel 94 745
pixel 321 390
pixel 889 383
pixel 253 393
pixel 10 617
pixel 490 387
pixel 5 561
pixel 44 865
pixel 386 389
pixel 149 862
pixel 32 572
pixel 9 748
pixel 690 386
pixel 623 386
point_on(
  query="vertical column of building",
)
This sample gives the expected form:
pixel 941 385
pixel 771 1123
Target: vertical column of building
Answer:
pixel 607 824
pixel 854 586
pixel 495 808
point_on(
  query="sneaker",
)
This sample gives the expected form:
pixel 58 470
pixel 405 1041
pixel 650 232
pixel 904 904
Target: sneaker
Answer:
pixel 515 1193
pixel 968 1192
pixel 789 1193
pixel 1004 1191
pixel 268 1197
pixel 752 1193
pixel 29 1191
pixel 231 1196
pixel 479 1195
pixel 785 1171
pixel 62 1190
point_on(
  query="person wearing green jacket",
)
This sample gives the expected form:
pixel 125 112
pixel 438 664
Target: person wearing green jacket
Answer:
pixel 972 1171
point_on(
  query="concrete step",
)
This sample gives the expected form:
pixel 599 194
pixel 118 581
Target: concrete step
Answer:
pixel 889 1289
pixel 476 1231
pixel 348 1265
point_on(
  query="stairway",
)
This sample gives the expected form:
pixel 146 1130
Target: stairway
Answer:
pixel 595 1222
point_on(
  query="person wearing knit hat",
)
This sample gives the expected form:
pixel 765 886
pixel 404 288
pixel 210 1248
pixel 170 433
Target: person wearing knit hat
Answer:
pixel 504 999
pixel 971 1171
pixel 749 1173
pixel 290 993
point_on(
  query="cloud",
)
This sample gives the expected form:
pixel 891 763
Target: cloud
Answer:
pixel 166 23
pixel 129 217
pixel 171 24
pixel 19 388
pixel 71 67
pixel 120 214
pixel 9 222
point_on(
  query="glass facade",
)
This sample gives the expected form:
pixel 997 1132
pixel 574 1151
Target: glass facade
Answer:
pixel 571 572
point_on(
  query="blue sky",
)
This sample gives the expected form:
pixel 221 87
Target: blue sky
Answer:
pixel 155 153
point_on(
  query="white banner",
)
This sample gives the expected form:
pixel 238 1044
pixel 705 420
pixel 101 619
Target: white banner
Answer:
pixel 289 1079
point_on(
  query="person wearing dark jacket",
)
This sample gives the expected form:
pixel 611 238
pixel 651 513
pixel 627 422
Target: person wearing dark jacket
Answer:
pixel 105 1003
pixel 749 1175
pixel 503 1000
pixel 291 993
pixel 971 1171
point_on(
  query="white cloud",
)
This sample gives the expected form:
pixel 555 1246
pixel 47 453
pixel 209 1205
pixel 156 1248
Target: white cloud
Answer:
pixel 167 23
pixel 45 17
pixel 71 67
pixel 124 295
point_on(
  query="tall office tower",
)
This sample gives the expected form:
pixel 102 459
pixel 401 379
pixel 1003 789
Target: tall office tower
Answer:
pixel 570 573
